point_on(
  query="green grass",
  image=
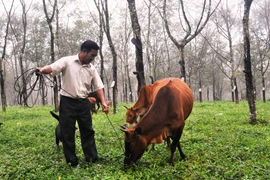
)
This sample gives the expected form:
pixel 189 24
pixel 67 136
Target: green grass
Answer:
pixel 218 141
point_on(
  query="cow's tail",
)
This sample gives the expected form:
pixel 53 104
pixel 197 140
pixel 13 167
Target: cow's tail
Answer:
pixel 54 115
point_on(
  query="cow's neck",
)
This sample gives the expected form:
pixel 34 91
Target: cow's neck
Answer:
pixel 152 125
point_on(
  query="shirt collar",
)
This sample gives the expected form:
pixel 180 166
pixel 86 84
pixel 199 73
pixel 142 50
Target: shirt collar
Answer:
pixel 84 65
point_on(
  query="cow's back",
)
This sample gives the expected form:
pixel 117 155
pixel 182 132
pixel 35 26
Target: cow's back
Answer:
pixel 173 103
pixel 148 93
pixel 186 95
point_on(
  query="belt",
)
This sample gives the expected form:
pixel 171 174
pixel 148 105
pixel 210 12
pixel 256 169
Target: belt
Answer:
pixel 73 98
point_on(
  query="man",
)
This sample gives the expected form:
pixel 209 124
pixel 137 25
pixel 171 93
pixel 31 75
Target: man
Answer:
pixel 78 75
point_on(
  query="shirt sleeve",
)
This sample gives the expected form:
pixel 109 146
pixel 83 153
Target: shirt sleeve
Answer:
pixel 96 81
pixel 57 67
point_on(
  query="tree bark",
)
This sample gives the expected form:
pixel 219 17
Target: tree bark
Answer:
pixel 236 94
pixel 247 63
pixel 138 44
pixel 113 51
pixel 49 21
pixel 2 72
pixel 263 89
pixel 22 97
pixel 101 24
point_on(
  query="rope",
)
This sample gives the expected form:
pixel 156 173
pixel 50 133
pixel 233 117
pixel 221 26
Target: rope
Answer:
pixel 115 133
pixel 27 83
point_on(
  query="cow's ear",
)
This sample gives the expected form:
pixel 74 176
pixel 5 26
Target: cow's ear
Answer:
pixel 138 131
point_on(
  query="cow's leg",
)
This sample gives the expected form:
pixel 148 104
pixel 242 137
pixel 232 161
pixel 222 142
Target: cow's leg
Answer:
pixel 168 141
pixel 176 143
pixel 173 147
pixel 181 152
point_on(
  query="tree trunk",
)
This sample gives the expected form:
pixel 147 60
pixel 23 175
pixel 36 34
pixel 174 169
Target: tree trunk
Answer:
pixel 101 45
pixel 2 83
pixel 138 44
pixel 182 64
pixel 23 98
pixel 49 21
pixel 213 81
pixel 236 95
pixel 263 89
pixel 108 88
pixel 247 64
pixel 2 67
pixel 208 94
pixel 200 86
pixel 129 87
pixel 125 93
pixel 113 51
pixel 232 87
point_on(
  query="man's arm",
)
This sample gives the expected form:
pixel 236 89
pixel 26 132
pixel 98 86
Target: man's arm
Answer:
pixel 45 70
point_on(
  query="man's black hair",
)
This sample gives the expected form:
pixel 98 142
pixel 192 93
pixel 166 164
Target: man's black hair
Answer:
pixel 89 45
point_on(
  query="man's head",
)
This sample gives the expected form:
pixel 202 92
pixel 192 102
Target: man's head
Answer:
pixel 89 50
pixel 89 45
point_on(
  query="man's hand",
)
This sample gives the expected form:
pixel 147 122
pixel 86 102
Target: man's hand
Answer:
pixel 105 108
pixel 44 70
pixel 38 71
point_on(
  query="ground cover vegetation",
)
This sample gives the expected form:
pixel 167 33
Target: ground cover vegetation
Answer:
pixel 218 140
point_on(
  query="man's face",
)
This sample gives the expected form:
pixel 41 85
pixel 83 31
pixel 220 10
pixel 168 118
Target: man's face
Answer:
pixel 90 56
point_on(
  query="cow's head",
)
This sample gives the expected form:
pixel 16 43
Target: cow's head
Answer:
pixel 93 101
pixel 135 144
pixel 131 115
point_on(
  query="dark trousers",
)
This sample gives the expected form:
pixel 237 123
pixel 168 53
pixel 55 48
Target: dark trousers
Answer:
pixel 70 111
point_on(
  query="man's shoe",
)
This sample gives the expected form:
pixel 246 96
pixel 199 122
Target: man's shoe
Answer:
pixel 74 164
pixel 94 160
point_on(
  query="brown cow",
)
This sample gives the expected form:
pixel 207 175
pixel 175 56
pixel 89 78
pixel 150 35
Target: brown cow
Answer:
pixel 172 104
pixel 141 106
pixel 93 104
pixel 94 99
pixel 145 100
